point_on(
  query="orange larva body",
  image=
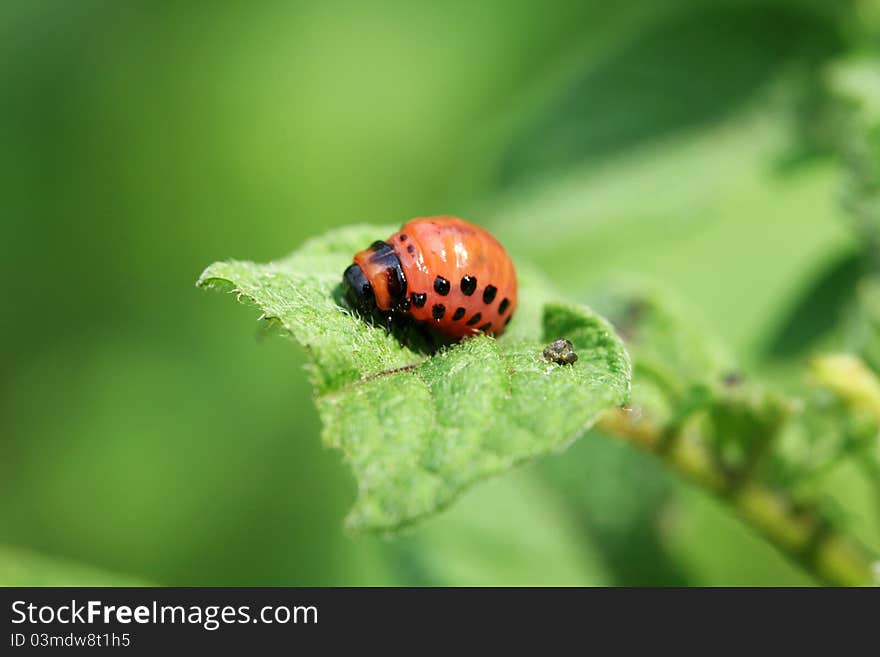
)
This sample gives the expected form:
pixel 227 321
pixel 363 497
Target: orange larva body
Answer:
pixel 444 272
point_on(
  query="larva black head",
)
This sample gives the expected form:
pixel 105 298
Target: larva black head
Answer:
pixel 358 291
pixel 376 281
pixel 383 261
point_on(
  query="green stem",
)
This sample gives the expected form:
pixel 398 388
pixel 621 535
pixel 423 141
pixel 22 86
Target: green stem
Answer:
pixel 804 535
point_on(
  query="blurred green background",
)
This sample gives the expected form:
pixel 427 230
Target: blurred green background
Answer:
pixel 147 429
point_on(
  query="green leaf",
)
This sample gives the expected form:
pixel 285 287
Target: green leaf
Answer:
pixel 419 430
pixel 652 85
pixel 819 310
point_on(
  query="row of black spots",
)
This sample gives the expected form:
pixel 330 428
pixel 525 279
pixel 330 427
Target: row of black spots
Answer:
pixel 489 296
pixel 411 249
pixel 469 286
pixel 438 311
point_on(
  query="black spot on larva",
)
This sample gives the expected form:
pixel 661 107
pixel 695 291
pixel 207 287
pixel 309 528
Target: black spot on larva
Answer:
pixel 486 326
pixel 410 248
pixel 473 321
pixel 377 245
pixel 459 313
pixel 503 306
pixel 489 293
pixel 403 238
pixel 438 311
pixel 468 285
pixel 419 299
pixel 507 321
pixel 441 286
pixel 404 305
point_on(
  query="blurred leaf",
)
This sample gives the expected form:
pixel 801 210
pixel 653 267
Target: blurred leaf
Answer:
pixel 678 368
pixel 864 324
pixel 618 497
pixel 679 73
pixel 854 83
pixel 513 530
pixel 418 431
pixel 23 568
pixel 667 337
pixel 818 310
pixel 716 548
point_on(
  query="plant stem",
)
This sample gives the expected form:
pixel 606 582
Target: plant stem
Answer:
pixel 803 534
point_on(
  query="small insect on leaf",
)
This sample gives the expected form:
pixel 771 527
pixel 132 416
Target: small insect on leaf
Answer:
pixel 561 351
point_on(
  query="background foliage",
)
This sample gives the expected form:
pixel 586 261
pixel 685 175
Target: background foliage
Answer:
pixel 724 150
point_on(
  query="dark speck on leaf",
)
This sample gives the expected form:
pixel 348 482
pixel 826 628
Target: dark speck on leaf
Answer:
pixel 633 314
pixel 732 379
pixel 560 351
